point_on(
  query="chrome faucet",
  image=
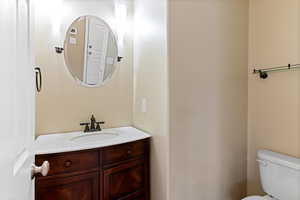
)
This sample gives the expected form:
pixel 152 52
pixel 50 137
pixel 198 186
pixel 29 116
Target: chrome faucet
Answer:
pixel 94 125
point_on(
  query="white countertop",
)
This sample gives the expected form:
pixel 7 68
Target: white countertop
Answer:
pixel 61 142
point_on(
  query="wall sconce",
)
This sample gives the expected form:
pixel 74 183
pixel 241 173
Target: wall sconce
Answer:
pixel 121 26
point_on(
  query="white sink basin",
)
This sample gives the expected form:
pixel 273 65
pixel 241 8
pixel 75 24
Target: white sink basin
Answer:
pixel 94 137
pixel 77 141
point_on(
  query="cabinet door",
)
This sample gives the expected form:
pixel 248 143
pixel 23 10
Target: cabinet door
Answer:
pixel 81 187
pixel 127 181
pixel 140 198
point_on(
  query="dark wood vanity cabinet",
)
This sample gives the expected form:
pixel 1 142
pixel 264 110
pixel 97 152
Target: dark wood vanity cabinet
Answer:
pixel 80 187
pixel 126 181
pixel 119 172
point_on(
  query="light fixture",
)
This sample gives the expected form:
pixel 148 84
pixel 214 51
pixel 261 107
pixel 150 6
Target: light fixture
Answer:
pixel 121 25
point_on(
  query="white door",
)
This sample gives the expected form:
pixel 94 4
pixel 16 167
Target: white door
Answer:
pixel 16 101
pixel 97 40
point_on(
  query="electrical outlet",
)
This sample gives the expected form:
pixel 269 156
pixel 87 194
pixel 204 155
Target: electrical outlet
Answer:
pixel 144 105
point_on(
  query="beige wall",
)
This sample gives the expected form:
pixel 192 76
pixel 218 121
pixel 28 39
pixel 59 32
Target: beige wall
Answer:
pixel 74 53
pixel 274 103
pixel 63 104
pixel 208 98
pixel 150 82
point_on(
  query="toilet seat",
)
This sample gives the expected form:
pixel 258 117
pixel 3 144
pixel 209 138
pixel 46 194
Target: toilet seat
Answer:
pixel 259 198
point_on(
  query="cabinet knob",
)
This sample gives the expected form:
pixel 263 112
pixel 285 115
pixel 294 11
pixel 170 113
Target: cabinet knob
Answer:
pixel 43 169
pixel 68 163
pixel 129 151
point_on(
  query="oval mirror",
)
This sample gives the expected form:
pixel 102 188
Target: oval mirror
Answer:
pixel 90 51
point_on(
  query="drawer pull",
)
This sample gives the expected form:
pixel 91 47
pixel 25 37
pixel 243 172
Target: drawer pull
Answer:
pixel 68 163
pixel 129 152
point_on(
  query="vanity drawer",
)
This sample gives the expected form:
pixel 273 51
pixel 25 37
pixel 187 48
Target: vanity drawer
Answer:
pixel 70 162
pixel 123 152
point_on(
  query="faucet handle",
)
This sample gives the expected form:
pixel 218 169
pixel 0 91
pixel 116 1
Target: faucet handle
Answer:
pixel 98 128
pixel 86 128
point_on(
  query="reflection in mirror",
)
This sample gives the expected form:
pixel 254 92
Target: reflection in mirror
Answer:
pixel 90 51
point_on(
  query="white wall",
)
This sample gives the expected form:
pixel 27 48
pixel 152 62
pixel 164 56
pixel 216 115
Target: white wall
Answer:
pixel 208 41
pixel 150 82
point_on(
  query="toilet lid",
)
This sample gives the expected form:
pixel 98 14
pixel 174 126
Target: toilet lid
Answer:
pixel 258 198
pixel 254 198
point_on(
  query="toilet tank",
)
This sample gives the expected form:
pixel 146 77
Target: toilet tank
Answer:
pixel 280 175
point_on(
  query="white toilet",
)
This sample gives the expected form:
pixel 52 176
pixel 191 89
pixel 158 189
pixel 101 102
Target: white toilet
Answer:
pixel 280 176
